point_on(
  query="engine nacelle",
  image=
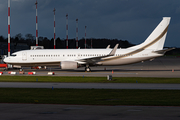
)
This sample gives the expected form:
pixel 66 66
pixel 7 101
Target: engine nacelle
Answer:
pixel 68 65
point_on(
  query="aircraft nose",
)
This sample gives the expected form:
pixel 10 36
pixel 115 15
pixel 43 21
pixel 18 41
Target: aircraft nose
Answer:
pixel 5 60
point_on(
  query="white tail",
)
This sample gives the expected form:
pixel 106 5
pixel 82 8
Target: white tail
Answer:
pixel 156 39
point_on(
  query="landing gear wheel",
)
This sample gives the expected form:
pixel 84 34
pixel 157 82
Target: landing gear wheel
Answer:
pixel 87 69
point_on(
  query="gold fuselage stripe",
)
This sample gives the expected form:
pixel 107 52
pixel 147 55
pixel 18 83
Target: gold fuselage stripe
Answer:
pixel 140 49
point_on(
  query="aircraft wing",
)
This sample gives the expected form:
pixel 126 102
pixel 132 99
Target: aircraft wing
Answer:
pixel 94 60
pixel 163 51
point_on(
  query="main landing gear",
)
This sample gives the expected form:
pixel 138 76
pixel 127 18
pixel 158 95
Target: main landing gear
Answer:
pixel 87 68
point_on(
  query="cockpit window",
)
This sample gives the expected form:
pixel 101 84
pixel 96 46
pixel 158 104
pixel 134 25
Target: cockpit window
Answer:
pixel 13 55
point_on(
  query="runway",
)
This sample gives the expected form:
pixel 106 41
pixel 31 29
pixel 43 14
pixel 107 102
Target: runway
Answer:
pixel 90 85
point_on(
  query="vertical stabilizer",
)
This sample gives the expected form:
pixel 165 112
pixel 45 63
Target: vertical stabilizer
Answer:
pixel 156 39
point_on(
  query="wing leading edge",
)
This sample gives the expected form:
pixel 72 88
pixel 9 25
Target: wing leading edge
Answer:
pixel 94 60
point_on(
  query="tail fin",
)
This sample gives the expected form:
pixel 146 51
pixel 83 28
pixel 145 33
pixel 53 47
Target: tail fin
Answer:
pixel 156 39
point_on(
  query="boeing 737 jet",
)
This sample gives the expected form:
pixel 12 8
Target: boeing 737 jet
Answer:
pixel 151 48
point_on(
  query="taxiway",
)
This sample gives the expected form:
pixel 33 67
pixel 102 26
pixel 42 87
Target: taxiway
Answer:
pixel 87 112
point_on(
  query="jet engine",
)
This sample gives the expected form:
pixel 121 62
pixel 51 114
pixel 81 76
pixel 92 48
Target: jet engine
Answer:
pixel 68 65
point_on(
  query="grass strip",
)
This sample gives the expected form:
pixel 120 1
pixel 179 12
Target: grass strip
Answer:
pixel 91 96
pixel 62 79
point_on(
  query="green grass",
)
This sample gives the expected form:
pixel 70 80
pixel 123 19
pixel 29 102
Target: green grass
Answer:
pixel 91 96
pixel 86 79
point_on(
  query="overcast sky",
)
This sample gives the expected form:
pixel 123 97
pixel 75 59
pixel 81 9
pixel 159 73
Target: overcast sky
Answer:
pixel 131 20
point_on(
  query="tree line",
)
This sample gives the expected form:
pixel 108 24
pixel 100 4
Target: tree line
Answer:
pixel 30 40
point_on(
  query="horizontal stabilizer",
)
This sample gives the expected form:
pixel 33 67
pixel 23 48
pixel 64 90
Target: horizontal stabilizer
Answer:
pixel 163 51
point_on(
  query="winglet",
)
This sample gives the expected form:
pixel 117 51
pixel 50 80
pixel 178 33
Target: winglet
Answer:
pixel 114 50
pixel 108 47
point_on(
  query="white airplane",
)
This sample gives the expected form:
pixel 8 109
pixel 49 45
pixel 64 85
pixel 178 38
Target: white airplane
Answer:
pixel 151 48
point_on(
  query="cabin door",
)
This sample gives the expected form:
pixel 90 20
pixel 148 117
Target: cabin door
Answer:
pixel 24 56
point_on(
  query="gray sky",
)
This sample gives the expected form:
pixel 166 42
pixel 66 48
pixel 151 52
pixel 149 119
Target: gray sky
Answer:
pixel 131 20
